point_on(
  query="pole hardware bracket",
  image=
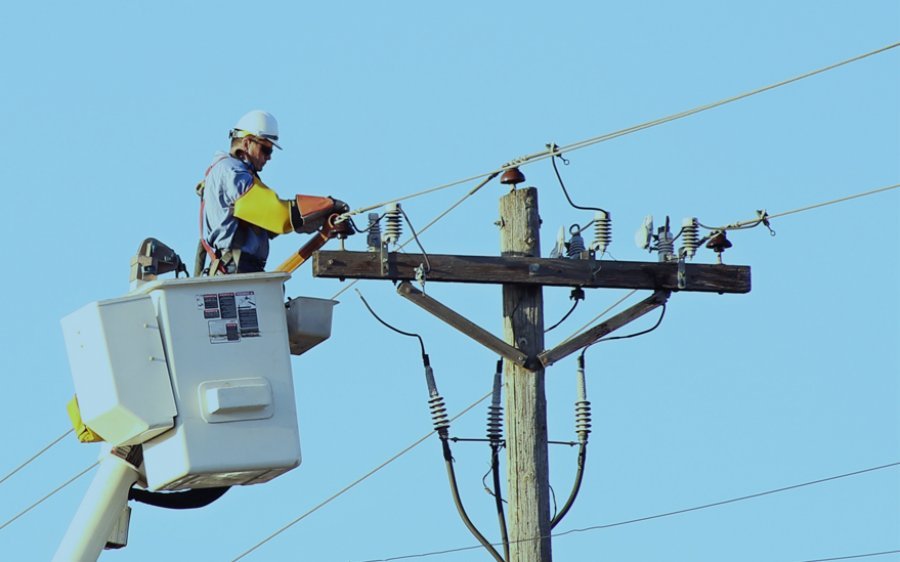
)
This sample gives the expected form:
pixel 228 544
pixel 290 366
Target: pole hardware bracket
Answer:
pixel 572 345
pixel 464 325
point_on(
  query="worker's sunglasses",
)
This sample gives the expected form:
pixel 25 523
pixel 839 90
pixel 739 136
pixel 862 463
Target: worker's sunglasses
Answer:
pixel 264 148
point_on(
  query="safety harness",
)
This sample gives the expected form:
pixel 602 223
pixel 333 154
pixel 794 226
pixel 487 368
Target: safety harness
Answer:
pixel 217 261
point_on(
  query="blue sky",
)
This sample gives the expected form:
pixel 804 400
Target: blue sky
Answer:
pixel 114 110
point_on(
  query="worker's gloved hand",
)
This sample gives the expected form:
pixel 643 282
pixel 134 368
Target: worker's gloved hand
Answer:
pixel 339 206
pixel 308 213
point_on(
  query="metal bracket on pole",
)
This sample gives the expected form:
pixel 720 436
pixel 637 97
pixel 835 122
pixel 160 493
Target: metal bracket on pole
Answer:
pixel 462 324
pixel 384 259
pixel 570 346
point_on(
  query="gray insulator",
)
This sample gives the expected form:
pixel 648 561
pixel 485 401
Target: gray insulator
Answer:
pixel 495 424
pixel 576 246
pixel 373 240
pixel 602 232
pixel 582 419
pixel 438 413
pixel 665 245
pixel 393 224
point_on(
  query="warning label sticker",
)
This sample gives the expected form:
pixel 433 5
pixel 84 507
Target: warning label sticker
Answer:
pixel 223 331
pixel 246 308
pixel 231 316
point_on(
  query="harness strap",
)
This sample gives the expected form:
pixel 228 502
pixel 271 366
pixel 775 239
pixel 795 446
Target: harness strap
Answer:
pixel 214 262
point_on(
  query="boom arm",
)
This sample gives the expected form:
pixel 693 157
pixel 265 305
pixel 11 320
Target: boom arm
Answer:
pixel 330 230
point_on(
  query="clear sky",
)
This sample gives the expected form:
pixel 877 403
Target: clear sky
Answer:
pixel 113 110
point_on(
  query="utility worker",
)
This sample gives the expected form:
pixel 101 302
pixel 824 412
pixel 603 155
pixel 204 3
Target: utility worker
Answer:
pixel 239 213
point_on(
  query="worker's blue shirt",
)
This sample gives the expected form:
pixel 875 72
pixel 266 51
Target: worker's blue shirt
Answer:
pixel 227 180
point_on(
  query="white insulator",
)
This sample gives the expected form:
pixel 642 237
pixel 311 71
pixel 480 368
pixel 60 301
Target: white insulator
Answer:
pixel 393 224
pixel 373 240
pixel 690 236
pixel 602 232
pixel 439 417
pixel 582 419
pixel 576 246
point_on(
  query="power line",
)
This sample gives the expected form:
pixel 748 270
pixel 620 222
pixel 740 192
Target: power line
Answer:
pixel 677 512
pixel 35 456
pixel 766 217
pixel 648 124
pixel 554 150
pixel 355 482
pixel 855 556
pixel 732 500
pixel 45 498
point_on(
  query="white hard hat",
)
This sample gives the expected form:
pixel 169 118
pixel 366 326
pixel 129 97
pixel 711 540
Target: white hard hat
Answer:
pixel 257 123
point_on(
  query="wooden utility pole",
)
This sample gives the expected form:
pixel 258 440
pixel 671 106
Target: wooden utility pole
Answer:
pixel 526 404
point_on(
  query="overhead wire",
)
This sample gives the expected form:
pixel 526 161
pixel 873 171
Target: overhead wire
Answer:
pixel 854 556
pixel 49 495
pixel 35 456
pixel 832 559
pixel 698 109
pixel 356 482
pixel 555 150
pixel 671 514
pixel 764 217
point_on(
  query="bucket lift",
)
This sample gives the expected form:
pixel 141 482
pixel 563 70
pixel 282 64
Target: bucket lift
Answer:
pixel 188 382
